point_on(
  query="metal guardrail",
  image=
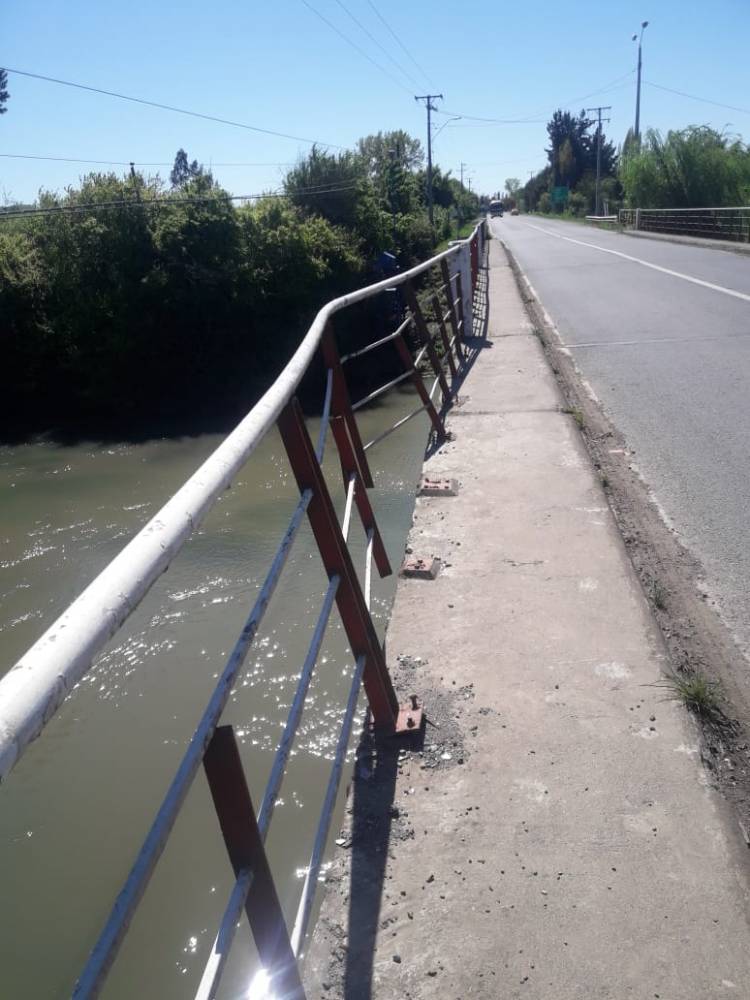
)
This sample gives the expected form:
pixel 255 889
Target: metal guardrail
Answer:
pixel 704 223
pixel 37 685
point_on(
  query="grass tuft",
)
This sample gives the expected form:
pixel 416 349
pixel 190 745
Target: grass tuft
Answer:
pixel 576 414
pixel 659 595
pixel 697 693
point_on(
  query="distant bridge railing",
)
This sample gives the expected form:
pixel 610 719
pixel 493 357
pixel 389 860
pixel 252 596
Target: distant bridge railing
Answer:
pixel 705 223
pixel 33 691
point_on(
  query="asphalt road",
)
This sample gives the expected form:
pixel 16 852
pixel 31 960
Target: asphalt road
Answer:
pixel 668 355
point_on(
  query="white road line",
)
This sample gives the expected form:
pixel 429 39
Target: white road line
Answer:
pixel 658 340
pixel 645 263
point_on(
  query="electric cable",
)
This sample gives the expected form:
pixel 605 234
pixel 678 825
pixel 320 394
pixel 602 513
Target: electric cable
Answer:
pixel 399 42
pixel 170 107
pixel 357 48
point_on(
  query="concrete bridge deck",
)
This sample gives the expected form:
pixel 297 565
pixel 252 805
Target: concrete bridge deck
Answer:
pixel 556 837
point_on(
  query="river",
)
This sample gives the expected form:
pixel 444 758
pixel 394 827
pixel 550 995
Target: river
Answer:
pixel 75 810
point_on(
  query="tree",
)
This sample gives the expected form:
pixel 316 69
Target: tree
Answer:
pixel 513 189
pixel 377 151
pixel 570 146
pixel 182 171
pixel 4 95
pixel 690 168
pixel 535 187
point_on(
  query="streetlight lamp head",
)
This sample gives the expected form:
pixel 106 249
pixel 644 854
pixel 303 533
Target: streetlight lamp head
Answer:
pixel 635 38
pixel 644 24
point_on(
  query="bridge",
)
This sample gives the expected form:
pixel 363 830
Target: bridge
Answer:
pixel 528 815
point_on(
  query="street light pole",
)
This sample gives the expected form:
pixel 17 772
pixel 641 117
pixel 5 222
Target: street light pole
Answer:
pixel 639 39
pixel 428 98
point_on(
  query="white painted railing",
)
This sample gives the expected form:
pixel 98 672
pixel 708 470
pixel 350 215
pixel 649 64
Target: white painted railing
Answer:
pixel 35 688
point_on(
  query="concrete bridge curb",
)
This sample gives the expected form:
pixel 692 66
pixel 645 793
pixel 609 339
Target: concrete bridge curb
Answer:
pixel 555 836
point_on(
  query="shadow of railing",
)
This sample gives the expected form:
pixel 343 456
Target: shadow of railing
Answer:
pixel 373 816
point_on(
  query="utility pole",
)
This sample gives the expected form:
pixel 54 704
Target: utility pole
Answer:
pixel 462 172
pixel 608 107
pixel 639 39
pixel 428 99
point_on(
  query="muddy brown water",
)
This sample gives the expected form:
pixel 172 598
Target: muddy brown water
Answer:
pixel 76 808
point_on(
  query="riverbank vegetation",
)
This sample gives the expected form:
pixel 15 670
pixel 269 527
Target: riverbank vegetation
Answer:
pixel 129 305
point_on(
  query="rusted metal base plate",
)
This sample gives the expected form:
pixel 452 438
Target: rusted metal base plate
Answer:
pixel 420 569
pixel 410 718
pixel 431 487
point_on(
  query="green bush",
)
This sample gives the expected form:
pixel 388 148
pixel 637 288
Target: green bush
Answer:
pixel 696 167
pixel 545 203
pixel 174 314
pixel 577 204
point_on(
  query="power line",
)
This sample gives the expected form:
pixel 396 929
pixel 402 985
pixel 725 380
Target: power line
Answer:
pixel 382 48
pixel 399 42
pixel 534 116
pixel 693 97
pixel 126 163
pixel 170 201
pixel 170 107
pixel 357 48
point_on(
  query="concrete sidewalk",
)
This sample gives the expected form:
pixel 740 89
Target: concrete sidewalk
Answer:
pixel 556 837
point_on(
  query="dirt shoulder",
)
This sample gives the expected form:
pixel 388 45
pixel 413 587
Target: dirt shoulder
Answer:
pixel 699 643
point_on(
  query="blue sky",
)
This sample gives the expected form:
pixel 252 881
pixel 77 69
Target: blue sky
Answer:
pixel 278 66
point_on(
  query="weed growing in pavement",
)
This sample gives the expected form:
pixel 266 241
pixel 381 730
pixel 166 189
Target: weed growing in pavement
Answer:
pixel 576 414
pixel 659 595
pixel 697 693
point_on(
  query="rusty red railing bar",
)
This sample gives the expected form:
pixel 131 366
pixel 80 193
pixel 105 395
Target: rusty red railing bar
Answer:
pixel 348 436
pixel 447 355
pixel 379 392
pixel 324 823
pixel 426 338
pixel 355 617
pixel 377 343
pixel 234 807
pixel 418 381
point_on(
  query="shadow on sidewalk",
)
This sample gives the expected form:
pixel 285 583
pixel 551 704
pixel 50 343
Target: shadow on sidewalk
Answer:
pixel 473 345
pixel 376 821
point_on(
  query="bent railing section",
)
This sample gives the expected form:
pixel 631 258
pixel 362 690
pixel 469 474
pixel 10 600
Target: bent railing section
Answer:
pixel 35 688
pixel 731 224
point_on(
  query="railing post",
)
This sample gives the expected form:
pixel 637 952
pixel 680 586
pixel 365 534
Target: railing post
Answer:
pixel 448 286
pixel 437 423
pixel 351 452
pixel 463 263
pixel 438 313
pixel 234 807
pixel 424 336
pixel 341 404
pixel 355 617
